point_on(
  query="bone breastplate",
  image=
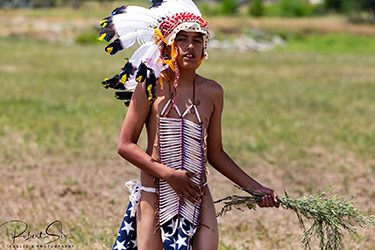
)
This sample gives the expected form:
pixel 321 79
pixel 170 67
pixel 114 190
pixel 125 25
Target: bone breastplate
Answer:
pixel 182 145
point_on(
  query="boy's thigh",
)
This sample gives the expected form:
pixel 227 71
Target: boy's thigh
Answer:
pixel 147 239
pixel 207 237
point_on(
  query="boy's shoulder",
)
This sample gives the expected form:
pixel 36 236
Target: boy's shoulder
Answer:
pixel 211 86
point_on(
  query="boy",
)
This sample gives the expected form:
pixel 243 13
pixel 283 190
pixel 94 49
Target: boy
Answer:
pixel 173 168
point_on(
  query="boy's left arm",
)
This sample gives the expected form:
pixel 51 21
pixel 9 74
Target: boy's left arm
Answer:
pixel 222 162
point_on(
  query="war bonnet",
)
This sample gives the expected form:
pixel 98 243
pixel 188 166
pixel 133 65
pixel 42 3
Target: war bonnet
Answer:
pixel 152 29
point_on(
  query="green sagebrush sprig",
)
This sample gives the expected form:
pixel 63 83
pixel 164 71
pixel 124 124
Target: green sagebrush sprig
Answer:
pixel 329 215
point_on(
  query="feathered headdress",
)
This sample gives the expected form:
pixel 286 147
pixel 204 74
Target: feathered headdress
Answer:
pixel 151 28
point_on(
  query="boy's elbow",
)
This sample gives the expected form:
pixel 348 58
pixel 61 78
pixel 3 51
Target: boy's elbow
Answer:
pixel 213 156
pixel 122 150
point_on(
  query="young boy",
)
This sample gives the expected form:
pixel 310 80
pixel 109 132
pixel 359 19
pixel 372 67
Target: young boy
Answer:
pixel 182 113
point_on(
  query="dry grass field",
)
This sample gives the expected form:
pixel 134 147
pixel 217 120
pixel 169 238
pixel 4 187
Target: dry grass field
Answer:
pixel 299 121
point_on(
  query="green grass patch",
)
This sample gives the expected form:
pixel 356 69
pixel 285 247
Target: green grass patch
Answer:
pixel 276 101
pixel 283 101
pixel 328 43
pixel 49 92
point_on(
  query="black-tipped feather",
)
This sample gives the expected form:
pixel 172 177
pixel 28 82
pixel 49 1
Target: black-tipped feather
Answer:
pixel 128 69
pixel 119 10
pixel 123 95
pixel 142 73
pixel 156 3
pixel 114 47
pixel 150 86
pixel 107 33
pixel 113 83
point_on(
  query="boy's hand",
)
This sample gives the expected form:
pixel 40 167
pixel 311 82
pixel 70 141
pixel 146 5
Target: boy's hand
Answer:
pixel 269 199
pixel 180 181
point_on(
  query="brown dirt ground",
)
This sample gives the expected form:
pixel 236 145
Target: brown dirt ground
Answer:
pixel 90 195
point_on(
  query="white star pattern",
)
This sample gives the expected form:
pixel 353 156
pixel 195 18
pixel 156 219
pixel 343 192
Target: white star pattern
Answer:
pixel 169 243
pixel 173 244
pixel 127 227
pixel 135 244
pixel 190 228
pixel 180 242
pixel 119 245
pixel 180 227
pixel 129 212
pixel 172 225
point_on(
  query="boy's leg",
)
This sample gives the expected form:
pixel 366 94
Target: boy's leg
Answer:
pixel 207 237
pixel 146 239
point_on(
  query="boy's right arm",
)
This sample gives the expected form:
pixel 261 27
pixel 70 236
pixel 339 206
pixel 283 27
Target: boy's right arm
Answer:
pixel 222 162
pixel 138 111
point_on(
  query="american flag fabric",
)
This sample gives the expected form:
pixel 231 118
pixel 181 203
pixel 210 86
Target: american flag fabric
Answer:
pixel 179 239
pixel 127 235
pixel 177 233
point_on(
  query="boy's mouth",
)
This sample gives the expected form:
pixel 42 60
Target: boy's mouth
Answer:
pixel 189 56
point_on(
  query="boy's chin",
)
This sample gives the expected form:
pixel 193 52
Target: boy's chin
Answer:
pixel 188 65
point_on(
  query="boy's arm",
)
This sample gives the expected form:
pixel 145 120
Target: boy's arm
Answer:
pixel 136 117
pixel 222 162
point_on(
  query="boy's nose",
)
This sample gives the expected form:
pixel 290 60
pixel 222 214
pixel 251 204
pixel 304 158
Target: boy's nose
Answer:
pixel 190 46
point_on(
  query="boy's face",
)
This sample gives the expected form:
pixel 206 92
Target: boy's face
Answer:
pixel 190 49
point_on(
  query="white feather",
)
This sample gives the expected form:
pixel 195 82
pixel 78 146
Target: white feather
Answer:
pixel 148 53
pixel 138 22
pixel 126 30
pixel 144 53
pixel 128 40
pixel 151 58
pixel 189 5
pixel 171 7
pixel 136 16
pixel 130 84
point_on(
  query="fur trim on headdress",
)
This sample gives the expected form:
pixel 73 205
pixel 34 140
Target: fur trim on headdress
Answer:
pixel 151 28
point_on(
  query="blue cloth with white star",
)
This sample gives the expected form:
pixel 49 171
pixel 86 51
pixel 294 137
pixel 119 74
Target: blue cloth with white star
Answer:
pixel 176 233
pixel 177 238
pixel 127 235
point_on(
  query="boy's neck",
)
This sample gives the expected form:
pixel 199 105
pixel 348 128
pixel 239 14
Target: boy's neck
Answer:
pixel 186 77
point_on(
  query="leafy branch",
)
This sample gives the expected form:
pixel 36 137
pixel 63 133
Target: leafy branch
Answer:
pixel 329 215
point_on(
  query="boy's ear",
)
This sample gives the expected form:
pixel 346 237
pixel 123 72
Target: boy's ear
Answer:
pixel 166 52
